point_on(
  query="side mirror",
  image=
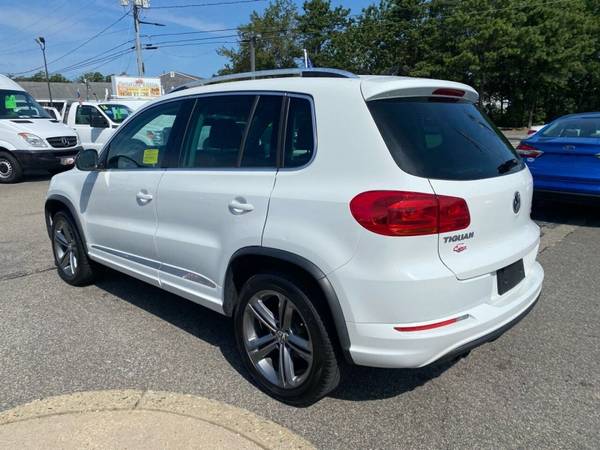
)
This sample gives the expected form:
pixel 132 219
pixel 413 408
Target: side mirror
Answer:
pixel 98 122
pixel 87 160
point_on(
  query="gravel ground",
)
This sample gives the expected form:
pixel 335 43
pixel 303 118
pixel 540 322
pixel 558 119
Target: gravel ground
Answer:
pixel 538 386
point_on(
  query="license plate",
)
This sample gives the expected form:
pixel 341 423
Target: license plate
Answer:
pixel 510 276
pixel 67 161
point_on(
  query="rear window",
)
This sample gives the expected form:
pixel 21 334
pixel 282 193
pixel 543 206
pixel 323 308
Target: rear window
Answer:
pixel 581 127
pixel 443 139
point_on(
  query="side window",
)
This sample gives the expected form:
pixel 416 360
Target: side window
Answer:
pixel 143 142
pixel 216 131
pixel 260 149
pixel 299 135
pixel 83 116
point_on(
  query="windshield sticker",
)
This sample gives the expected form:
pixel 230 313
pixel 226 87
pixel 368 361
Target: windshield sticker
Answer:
pixel 10 102
pixel 150 156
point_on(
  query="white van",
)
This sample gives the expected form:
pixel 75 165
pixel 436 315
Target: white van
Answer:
pixel 95 122
pixel 29 138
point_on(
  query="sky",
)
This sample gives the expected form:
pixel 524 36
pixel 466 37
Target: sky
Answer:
pixel 67 24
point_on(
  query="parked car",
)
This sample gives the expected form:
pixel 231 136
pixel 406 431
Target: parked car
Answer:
pixel 29 138
pixel 95 123
pixel 383 220
pixel 565 156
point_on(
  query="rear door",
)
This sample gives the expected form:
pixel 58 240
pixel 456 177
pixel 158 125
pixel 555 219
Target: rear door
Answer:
pixel 571 149
pixel 450 142
pixel 216 201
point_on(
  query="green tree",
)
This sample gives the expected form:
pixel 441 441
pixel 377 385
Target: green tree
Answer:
pixel 275 40
pixel 91 76
pixel 58 78
pixel 318 26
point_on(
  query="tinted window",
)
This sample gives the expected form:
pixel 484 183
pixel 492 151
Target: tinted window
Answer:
pixel 117 113
pixel 260 149
pixel 299 136
pixel 444 140
pixel 216 131
pixel 582 127
pixel 84 114
pixel 143 141
pixel 20 105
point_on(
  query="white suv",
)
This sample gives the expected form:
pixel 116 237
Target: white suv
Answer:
pixel 383 220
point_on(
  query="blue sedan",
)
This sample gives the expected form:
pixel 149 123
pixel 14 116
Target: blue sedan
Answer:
pixel 564 156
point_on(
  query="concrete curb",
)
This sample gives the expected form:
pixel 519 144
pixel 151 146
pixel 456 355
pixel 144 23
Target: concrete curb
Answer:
pixel 217 417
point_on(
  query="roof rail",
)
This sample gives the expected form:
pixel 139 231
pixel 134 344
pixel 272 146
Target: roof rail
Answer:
pixel 276 73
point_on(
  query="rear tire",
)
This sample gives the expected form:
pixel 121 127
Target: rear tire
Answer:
pixel 283 340
pixel 10 169
pixel 70 258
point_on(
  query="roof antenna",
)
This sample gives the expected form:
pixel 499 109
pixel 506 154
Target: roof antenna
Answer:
pixel 307 62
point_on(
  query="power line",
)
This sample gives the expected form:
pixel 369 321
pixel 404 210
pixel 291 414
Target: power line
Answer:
pixel 92 58
pixel 198 5
pixel 79 46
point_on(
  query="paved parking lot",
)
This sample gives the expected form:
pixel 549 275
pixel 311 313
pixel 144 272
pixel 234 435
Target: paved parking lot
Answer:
pixel 538 386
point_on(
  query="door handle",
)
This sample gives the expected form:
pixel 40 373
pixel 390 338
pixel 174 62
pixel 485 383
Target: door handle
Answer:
pixel 239 206
pixel 143 197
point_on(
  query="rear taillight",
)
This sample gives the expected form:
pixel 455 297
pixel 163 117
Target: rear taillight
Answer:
pixel 528 151
pixel 397 213
pixel 530 132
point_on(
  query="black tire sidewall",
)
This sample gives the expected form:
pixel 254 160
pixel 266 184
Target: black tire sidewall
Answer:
pixel 81 256
pixel 279 283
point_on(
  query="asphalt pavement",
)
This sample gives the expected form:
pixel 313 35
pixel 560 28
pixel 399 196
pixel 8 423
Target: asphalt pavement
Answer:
pixel 538 386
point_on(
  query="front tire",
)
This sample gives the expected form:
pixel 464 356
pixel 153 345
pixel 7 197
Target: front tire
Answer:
pixel 10 169
pixel 70 257
pixel 283 340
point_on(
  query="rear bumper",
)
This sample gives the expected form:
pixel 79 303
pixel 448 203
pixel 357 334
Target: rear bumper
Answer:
pixel 45 160
pixel 380 345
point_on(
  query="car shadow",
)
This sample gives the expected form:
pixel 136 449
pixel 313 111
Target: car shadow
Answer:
pixel 557 209
pixel 357 383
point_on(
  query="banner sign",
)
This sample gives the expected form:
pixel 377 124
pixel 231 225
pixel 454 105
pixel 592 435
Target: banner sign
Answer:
pixel 136 87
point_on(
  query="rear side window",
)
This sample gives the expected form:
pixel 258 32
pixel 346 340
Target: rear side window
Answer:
pixel 580 127
pixel 216 131
pixel 260 148
pixel 441 139
pixel 299 136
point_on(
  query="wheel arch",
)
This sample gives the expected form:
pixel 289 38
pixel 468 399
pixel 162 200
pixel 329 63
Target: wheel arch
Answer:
pixel 55 203
pixel 251 260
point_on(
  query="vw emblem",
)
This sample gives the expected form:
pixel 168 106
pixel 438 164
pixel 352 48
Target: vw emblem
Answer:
pixel 64 141
pixel 568 147
pixel 517 202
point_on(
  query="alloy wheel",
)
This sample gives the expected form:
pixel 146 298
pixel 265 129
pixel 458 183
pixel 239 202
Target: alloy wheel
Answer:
pixel 65 248
pixel 277 340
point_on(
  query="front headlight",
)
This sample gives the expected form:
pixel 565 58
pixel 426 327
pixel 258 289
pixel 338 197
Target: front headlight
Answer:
pixel 33 140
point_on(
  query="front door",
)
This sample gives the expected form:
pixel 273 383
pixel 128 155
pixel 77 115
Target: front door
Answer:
pixel 216 201
pixel 119 203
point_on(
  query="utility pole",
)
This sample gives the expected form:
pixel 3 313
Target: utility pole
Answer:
pixel 136 6
pixel 42 43
pixel 252 53
pixel 138 44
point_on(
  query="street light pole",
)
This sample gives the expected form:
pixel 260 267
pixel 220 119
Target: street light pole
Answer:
pixel 42 43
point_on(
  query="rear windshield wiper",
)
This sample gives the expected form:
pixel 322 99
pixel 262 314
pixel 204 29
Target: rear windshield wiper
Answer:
pixel 507 165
